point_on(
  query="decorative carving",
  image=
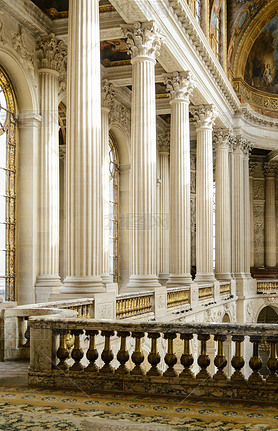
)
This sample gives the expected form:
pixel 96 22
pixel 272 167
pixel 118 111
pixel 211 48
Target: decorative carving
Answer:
pixel 213 315
pixel 204 115
pixel 180 85
pixel 52 53
pixel 252 167
pixel 193 229
pixel 143 39
pixel 120 114
pixel 270 169
pixel 193 162
pixel 193 182
pixel 19 46
pixel 107 94
pixel 2 40
pixel 259 235
pixel 250 311
pixel 163 142
pixel 242 145
pixel 221 138
pixel 258 189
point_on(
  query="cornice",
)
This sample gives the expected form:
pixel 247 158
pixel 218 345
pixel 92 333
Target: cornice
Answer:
pixel 248 114
pixel 28 15
pixel 186 20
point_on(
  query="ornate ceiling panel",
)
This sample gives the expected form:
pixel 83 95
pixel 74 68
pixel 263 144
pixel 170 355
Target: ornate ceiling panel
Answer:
pixel 59 8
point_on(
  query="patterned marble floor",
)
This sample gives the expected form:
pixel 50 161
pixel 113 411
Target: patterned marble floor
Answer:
pixel 23 408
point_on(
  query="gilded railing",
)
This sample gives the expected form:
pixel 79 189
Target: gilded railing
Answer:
pixel 105 363
pixel 267 286
pixel 129 305
pixel 205 292
pixel 177 296
pixel 225 288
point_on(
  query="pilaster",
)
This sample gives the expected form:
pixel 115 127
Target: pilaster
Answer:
pixel 270 214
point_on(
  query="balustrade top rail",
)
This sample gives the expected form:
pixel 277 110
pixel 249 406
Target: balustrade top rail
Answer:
pixel 59 304
pixel 264 330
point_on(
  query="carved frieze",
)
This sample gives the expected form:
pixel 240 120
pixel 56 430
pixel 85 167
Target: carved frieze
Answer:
pixel 258 189
pixel 193 162
pixel 259 235
pixel 193 182
pixel 252 167
pixel 121 115
pixel 19 45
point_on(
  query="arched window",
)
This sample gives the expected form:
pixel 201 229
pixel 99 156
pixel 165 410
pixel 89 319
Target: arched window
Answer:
pixel 7 188
pixel 113 211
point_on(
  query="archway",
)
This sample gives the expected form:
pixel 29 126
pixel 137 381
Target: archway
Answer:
pixel 267 315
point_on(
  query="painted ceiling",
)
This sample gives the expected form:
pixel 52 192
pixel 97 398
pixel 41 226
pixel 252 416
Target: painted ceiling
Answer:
pixel 59 8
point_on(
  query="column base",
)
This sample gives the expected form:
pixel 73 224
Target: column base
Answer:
pixel 239 275
pixel 223 276
pixel 106 278
pixel 145 282
pixel 46 285
pixel 179 280
pixel 163 278
pixel 82 285
pixel 205 278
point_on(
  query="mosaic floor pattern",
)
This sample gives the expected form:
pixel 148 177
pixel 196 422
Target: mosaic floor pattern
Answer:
pixel 24 408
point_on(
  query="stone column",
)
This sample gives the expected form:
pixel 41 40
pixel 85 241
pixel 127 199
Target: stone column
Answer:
pixel 180 86
pixel 107 100
pixel 84 226
pixel 270 215
pixel 51 55
pixel 247 149
pixel 163 212
pixel 144 42
pixel 222 207
pixel 238 209
pixel 204 117
pixel 252 167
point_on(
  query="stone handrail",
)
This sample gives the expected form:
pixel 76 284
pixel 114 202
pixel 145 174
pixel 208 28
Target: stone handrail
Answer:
pixel 108 365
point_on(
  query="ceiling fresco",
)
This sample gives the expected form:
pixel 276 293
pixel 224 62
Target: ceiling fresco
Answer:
pixel 261 70
pixel 114 53
pixel 56 9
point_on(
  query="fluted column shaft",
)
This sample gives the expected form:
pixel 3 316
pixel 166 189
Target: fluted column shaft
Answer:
pixel 180 86
pixel 84 227
pixel 270 215
pixel 252 166
pixel 204 195
pixel 246 210
pixel 222 207
pixel 143 40
pixel 51 55
pixel 164 171
pixel 238 210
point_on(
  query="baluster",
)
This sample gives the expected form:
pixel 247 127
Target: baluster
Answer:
pixel 137 356
pixel 77 352
pixel 272 362
pixel 186 357
pixel 92 353
pixel 62 352
pixel 170 357
pixel 220 361
pixel 154 356
pixel 88 316
pixel 203 359
pixel 237 360
pixel 27 334
pixel 123 355
pixel 255 362
pixel 107 354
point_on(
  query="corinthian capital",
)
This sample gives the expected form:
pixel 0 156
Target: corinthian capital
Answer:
pixel 163 142
pixel 107 93
pixel 270 169
pixel 204 115
pixel 143 39
pixel 221 138
pixel 52 54
pixel 180 85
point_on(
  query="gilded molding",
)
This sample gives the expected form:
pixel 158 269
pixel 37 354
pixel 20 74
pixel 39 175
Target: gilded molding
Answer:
pixel 180 85
pixel 143 39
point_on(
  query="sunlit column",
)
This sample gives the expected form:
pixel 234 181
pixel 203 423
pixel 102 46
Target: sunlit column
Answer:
pixel 84 224
pixel 144 41
pixel 51 55
pixel 270 215
pixel 246 184
pixel 222 207
pixel 204 117
pixel 163 213
pixel 252 167
pixel 180 86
